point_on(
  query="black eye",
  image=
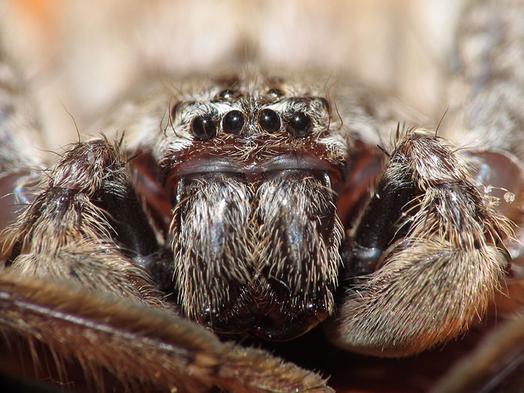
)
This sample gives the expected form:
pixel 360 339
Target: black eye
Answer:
pixel 298 124
pixel 203 128
pixel 233 122
pixel 269 120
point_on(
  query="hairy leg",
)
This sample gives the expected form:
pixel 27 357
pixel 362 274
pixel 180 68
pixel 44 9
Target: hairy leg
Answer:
pixel 426 267
pixel 487 94
pixel 19 159
pixel 145 349
pixel 67 232
pixel 428 254
pixel 486 102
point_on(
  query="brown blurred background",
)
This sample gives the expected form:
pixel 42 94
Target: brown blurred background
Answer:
pixel 79 56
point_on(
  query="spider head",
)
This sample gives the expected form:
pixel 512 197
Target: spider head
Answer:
pixel 252 170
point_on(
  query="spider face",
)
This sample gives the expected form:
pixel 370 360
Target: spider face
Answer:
pixel 254 205
pixel 252 173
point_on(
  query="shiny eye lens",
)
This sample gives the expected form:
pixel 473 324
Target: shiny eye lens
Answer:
pixel 229 94
pixel 298 124
pixel 233 122
pixel 275 93
pixel 203 128
pixel 269 120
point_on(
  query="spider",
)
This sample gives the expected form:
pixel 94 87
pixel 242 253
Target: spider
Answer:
pixel 249 204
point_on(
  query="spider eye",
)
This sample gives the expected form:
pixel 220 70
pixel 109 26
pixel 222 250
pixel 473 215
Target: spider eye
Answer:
pixel 275 93
pixel 233 122
pixel 269 120
pixel 298 124
pixel 203 127
pixel 228 94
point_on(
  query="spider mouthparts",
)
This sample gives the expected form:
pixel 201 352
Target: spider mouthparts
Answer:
pixel 263 324
pixel 248 258
pixel 277 328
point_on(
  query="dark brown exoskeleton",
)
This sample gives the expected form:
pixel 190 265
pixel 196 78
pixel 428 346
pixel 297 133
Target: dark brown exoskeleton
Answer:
pixel 250 205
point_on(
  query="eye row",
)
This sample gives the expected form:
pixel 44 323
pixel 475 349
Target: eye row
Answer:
pixel 204 127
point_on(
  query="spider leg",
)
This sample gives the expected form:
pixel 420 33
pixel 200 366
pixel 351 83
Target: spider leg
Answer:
pixel 145 349
pixel 428 254
pixel 490 98
pixel 74 228
pixel 495 365
pixel 486 98
pixel 19 158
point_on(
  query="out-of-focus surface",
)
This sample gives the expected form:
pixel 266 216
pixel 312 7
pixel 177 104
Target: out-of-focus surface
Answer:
pixel 80 56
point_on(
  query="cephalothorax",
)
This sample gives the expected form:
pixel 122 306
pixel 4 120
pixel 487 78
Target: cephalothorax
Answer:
pixel 252 205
